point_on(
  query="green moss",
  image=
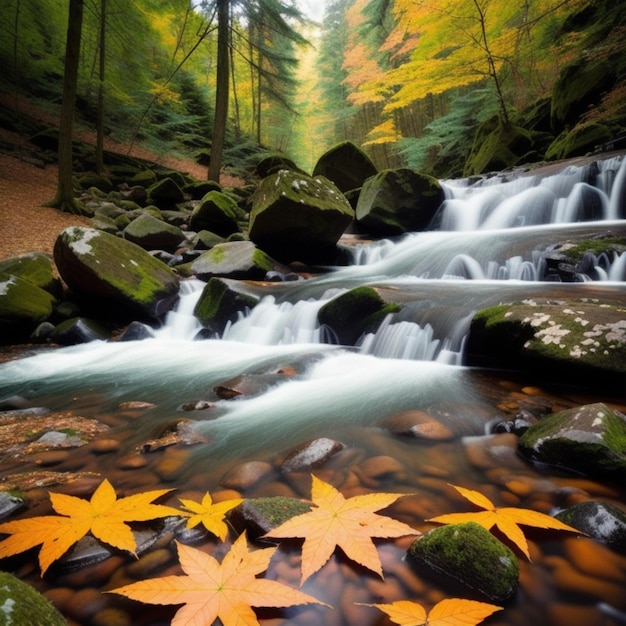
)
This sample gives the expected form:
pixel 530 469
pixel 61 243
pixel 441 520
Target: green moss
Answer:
pixel 597 247
pixel 278 509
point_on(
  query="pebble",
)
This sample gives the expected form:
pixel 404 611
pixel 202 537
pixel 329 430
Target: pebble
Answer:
pixel 493 451
pixel 245 475
pixel 172 464
pixel 131 462
pixel 105 446
pixel 51 458
pixel 418 425
pixel 150 563
pixel 311 454
pixel 111 617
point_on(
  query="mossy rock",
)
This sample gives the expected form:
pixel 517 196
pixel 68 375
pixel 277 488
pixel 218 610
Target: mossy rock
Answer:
pixel 588 440
pixel 217 212
pixel 220 302
pixel 468 559
pixel 98 181
pixel 144 179
pixel 152 233
pixel 396 201
pixel 205 240
pixel 572 341
pixel 346 165
pixel 273 163
pixel 354 313
pixel 35 267
pixel 198 189
pixel 582 139
pixel 165 193
pixel 258 516
pixel 113 275
pixel 23 605
pixel 23 306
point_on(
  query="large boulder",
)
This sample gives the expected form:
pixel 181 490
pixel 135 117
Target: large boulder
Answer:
pixel 295 217
pixel 165 193
pixel 114 275
pixel 218 213
pixel 151 233
pixel 23 306
pixel 588 440
pixel 35 267
pixel 220 302
pixel 354 313
pixel 396 201
pixel 234 259
pixel 581 342
pixel 346 165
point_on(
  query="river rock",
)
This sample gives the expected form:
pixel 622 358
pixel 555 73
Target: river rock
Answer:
pixel 78 330
pixel 165 193
pixel 152 233
pixel 572 341
pixel 602 521
pixel 351 314
pixel 115 274
pixel 22 604
pixel 417 425
pixel 310 455
pixel 589 440
pixel 346 165
pixel 257 516
pixel 469 559
pixel 295 217
pixel 35 267
pixel 23 306
pixel 396 201
pixel 218 213
pixel 240 260
pixel 220 302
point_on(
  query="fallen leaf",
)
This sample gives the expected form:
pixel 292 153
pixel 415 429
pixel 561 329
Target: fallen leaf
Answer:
pixel 210 590
pixel 348 523
pixel 104 516
pixel 506 519
pixel 209 514
pixel 449 612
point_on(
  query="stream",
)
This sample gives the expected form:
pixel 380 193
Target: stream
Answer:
pixel 293 383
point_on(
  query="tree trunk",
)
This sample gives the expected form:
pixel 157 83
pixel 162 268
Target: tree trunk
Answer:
pixel 221 93
pixel 64 199
pixel 100 110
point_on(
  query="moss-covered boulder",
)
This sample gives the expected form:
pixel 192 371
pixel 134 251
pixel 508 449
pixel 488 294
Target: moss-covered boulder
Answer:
pixel 113 275
pixel 165 193
pixel 78 330
pixel 197 189
pixel 603 521
pixel 346 165
pixel 354 313
pixel 220 302
pixel 468 560
pixel 205 240
pixel 23 605
pixel 234 259
pixel 217 212
pixel 152 233
pixel 588 440
pixel 35 267
pixel 295 217
pixel 91 179
pixel 144 178
pixel 572 341
pixel 396 201
pixel 580 140
pixel 23 306
pixel 273 163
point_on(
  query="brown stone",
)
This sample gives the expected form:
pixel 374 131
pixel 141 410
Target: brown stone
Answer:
pixel 245 475
pixel 418 425
pixel 311 454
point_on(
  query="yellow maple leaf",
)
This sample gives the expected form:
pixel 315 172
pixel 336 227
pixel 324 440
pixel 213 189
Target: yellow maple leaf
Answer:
pixel 506 519
pixel 209 514
pixel 210 590
pixel 349 523
pixel 449 612
pixel 104 516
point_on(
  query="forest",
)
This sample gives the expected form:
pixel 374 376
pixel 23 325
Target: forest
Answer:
pixel 452 88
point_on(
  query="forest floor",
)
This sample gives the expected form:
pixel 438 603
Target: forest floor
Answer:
pixel 25 224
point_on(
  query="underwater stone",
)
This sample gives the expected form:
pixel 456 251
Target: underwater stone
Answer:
pixel 470 557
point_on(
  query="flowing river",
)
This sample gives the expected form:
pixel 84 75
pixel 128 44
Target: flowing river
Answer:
pixel 292 383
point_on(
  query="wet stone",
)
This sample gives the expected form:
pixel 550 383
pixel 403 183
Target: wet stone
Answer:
pixel 418 425
pixel 310 455
pixel 493 452
pixel 602 521
pixel 245 475
pixel 9 504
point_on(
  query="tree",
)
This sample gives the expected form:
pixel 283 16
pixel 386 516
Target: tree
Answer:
pixel 64 199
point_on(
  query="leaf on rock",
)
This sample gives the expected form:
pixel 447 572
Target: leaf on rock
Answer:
pixel 506 519
pixel 347 523
pixel 209 514
pixel 449 612
pixel 104 516
pixel 210 590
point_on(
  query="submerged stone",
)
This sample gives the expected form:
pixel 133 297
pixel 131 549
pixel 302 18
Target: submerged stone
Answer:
pixel 468 557
pixel 589 440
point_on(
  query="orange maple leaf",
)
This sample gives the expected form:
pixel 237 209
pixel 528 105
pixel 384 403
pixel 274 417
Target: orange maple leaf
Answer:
pixel 104 516
pixel 348 523
pixel 449 612
pixel 210 514
pixel 210 590
pixel 506 519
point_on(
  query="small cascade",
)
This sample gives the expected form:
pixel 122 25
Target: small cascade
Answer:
pixel 180 323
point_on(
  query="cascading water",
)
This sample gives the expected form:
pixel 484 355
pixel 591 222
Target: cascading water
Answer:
pixel 485 248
